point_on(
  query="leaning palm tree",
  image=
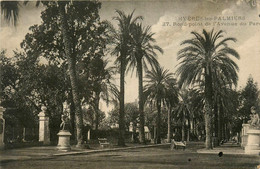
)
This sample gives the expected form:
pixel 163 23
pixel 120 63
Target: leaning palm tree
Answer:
pixel 156 89
pixel 143 54
pixel 121 41
pixel 204 54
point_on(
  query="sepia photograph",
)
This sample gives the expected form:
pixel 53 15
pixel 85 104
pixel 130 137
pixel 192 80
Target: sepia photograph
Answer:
pixel 145 84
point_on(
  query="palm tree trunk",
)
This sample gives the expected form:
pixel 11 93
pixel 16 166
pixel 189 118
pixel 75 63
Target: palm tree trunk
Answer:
pixel 134 138
pixel 72 72
pixel 219 124
pixel 121 138
pixel 216 120
pixel 224 130
pixel 141 101
pixel 97 98
pixel 169 125
pixel 208 108
pixel 1 93
pixel 154 133
pixel 158 134
pixel 183 128
pixel 207 118
pixel 189 130
pixel 228 130
pixel 194 126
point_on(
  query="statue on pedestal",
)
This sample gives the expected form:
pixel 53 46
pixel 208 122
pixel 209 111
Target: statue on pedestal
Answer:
pixel 254 119
pixel 64 122
pixel 253 133
pixel 64 134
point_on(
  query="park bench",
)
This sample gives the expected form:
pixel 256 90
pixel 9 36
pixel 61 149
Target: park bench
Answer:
pixel 177 144
pixel 103 142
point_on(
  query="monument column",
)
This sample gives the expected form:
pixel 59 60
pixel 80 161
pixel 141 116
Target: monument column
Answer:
pixel 2 127
pixel 44 132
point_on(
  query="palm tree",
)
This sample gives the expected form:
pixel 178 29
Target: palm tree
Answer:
pixel 143 53
pixel 196 105
pixel 199 59
pixel 10 11
pixel 121 41
pixel 224 100
pixel 103 88
pixel 184 110
pixel 156 89
pixel 171 101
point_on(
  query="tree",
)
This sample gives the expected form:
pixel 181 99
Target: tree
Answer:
pixel 70 59
pixel 121 41
pixel 249 96
pixel 156 89
pixel 101 77
pixel 225 102
pixel 28 85
pixel 183 110
pixel 171 101
pixel 131 114
pixel 200 59
pixel 69 42
pixel 246 98
pixel 196 104
pixel 143 54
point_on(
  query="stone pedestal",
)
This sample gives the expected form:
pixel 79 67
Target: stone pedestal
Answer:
pixel 2 128
pixel 44 131
pixel 244 135
pixel 253 142
pixel 64 140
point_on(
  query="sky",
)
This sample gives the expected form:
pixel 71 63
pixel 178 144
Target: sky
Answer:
pixel 236 18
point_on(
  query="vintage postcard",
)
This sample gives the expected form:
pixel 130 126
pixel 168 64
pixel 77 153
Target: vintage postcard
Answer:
pixel 130 84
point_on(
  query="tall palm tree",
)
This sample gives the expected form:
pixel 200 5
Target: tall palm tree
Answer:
pixel 224 99
pixel 121 41
pixel 189 109
pixel 204 54
pixel 156 89
pixel 143 54
pixel 171 101
pixel 184 110
pixel 226 102
pixel 196 105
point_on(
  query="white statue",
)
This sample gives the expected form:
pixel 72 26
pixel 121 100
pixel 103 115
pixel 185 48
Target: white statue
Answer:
pixel 254 118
